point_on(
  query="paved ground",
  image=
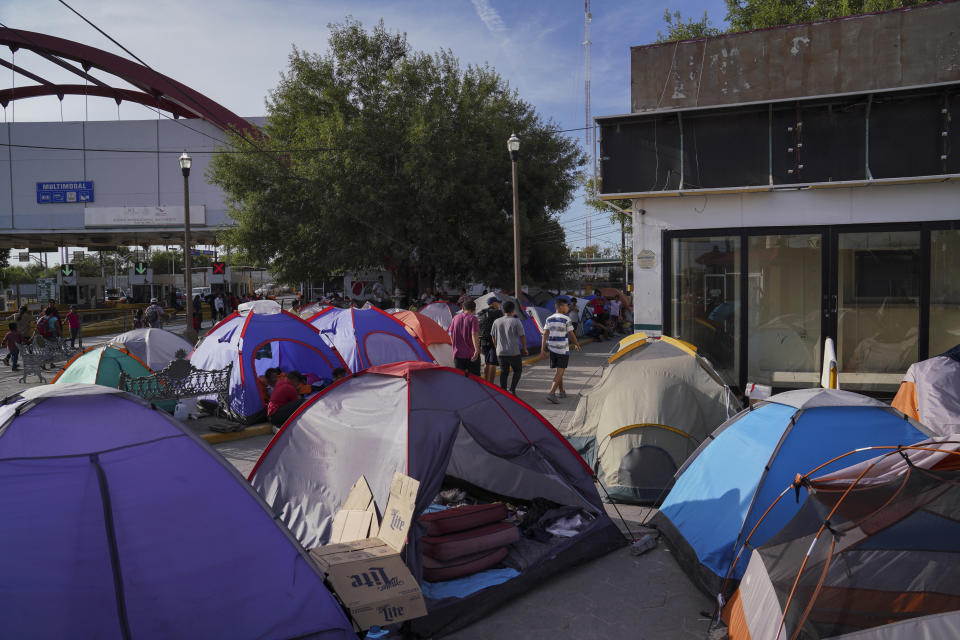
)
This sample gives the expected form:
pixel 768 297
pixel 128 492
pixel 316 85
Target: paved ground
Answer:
pixel 617 596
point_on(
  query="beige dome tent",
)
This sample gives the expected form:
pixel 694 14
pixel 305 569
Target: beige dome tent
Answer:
pixel 656 400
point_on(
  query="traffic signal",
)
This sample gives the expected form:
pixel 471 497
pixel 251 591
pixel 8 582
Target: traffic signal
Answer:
pixel 140 268
pixel 219 268
pixel 67 270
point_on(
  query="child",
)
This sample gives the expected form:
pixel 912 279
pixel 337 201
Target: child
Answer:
pixel 73 320
pixel 12 342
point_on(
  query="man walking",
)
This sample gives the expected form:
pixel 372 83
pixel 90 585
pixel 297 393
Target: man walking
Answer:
pixel 154 314
pixel 465 335
pixel 379 293
pixel 486 318
pixel 557 335
pixel 508 338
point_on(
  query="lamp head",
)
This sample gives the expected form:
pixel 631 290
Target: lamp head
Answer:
pixel 513 145
pixel 185 162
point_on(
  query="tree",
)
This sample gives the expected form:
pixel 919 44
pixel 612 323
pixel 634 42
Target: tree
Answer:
pixel 744 15
pixel 677 29
pixel 375 155
pixel 161 261
pixel 619 213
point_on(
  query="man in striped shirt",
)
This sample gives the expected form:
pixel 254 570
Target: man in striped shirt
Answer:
pixel 557 335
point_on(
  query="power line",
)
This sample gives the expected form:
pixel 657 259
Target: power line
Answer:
pixel 105 34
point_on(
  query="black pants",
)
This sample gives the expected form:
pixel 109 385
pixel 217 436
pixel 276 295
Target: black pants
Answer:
pixel 507 363
pixel 468 364
pixel 283 413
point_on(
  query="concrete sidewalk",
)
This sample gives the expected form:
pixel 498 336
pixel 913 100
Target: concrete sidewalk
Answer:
pixel 616 596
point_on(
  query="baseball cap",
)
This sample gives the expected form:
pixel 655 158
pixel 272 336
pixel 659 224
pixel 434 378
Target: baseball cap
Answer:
pixel 493 298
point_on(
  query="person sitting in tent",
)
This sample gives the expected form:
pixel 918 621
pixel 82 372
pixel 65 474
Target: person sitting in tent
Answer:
pixel 285 398
pixel 574 312
pixel 266 382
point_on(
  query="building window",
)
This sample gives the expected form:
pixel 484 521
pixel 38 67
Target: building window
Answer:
pixel 705 298
pixel 944 290
pixel 878 305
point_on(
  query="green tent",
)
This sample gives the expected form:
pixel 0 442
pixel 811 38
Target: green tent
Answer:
pixel 656 400
pixel 102 365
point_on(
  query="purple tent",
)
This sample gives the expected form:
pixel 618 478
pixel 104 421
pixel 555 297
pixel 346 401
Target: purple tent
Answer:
pixel 255 342
pixel 431 423
pixel 368 337
pixel 120 523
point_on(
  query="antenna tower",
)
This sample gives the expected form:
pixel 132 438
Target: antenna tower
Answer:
pixel 587 18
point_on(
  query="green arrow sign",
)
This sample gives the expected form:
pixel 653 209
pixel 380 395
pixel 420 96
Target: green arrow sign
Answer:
pixel 66 270
pixel 140 268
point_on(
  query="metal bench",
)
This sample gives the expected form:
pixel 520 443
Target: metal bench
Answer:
pixel 40 353
pixel 180 380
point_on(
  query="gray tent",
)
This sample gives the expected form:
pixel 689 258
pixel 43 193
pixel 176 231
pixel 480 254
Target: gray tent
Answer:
pixel 436 425
pixel 655 401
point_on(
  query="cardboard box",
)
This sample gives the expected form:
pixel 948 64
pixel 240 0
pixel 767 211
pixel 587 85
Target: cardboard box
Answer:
pixel 366 573
pixel 357 518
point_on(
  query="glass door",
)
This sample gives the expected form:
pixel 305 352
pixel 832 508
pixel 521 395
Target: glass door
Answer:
pixel 872 306
pixel 705 298
pixel 785 282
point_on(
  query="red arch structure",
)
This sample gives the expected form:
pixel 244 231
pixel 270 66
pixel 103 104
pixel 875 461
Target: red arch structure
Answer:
pixel 155 89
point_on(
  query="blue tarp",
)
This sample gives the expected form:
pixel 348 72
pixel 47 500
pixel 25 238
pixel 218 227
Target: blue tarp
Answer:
pixel 462 587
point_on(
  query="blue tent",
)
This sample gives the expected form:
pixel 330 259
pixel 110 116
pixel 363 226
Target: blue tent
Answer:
pixel 368 337
pixel 724 488
pixel 255 342
pixel 118 522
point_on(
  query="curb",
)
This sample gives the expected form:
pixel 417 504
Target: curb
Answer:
pixel 249 432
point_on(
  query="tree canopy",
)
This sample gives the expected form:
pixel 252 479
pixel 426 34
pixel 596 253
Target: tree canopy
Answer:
pixel 677 29
pixel 376 155
pixel 746 15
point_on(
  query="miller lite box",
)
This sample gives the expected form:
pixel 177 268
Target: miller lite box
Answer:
pixel 367 573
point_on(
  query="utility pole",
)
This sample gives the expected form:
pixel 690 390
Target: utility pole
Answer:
pixel 513 146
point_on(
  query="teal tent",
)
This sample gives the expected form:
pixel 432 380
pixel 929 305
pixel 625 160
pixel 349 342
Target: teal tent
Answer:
pixel 102 365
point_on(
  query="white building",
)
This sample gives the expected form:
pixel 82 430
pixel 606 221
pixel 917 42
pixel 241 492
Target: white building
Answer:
pixel 794 184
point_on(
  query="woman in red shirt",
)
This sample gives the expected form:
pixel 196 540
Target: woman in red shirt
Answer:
pixel 285 398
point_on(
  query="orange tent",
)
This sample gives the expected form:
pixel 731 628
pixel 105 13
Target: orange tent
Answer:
pixel 430 333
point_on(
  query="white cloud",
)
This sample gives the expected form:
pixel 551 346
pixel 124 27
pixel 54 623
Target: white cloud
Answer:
pixel 489 16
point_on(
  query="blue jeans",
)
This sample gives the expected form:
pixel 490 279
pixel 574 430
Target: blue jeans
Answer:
pixel 14 355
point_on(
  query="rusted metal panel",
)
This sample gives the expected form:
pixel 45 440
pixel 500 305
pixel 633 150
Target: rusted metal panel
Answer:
pixel 902 48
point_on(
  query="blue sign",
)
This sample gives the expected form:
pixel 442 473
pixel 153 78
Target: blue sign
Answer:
pixel 56 192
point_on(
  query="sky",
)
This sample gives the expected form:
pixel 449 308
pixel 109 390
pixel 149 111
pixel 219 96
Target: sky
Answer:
pixel 234 51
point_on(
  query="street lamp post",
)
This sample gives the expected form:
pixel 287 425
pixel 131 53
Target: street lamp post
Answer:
pixel 513 145
pixel 185 162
